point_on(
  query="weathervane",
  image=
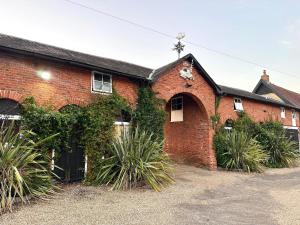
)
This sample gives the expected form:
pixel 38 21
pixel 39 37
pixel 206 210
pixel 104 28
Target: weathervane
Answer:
pixel 179 47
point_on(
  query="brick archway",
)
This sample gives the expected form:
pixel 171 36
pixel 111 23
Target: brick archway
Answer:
pixel 188 141
pixel 70 101
pixel 13 95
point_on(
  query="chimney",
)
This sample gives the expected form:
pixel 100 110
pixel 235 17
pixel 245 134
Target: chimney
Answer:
pixel 265 76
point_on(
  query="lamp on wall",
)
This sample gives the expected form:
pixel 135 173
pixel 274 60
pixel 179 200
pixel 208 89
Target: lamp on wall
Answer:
pixel 45 75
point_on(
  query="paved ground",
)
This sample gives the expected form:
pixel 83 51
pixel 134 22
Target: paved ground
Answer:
pixel 198 197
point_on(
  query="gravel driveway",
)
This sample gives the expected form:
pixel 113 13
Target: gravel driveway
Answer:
pixel 198 197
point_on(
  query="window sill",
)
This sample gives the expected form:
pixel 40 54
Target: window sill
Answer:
pixel 102 92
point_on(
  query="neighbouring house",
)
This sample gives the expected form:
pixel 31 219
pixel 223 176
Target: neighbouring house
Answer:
pixel 62 77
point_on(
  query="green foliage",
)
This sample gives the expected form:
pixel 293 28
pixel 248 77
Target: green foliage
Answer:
pixel 282 151
pixel 44 121
pixel 135 159
pixel 270 135
pixel 149 115
pixel 24 171
pixel 99 126
pixel 92 126
pixel 245 124
pixel 215 119
pixel 237 151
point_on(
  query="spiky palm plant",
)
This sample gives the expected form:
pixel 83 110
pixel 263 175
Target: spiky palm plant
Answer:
pixel 24 172
pixel 241 152
pixel 134 159
pixel 283 151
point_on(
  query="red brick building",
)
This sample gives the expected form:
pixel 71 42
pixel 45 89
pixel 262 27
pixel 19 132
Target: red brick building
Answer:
pixel 59 77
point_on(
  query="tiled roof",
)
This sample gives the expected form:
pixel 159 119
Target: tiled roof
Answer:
pixel 38 49
pixel 249 95
pixel 290 96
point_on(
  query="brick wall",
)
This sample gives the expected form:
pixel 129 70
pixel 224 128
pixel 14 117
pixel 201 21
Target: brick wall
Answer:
pixel 258 111
pixel 68 84
pixel 186 141
pixel 192 139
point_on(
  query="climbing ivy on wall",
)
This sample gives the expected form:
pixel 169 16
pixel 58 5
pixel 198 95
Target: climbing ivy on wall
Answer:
pixel 93 124
pixel 99 126
pixel 44 122
pixel 149 114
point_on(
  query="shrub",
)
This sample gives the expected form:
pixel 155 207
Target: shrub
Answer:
pixel 24 171
pixel 282 151
pixel 245 124
pixel 134 159
pixel 237 151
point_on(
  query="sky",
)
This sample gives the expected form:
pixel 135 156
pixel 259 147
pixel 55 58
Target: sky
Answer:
pixel 266 32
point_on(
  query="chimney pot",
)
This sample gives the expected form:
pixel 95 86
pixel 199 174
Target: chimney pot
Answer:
pixel 265 76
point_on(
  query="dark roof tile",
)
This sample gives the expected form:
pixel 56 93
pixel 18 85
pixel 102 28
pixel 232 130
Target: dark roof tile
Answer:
pixel 290 96
pixel 249 95
pixel 14 43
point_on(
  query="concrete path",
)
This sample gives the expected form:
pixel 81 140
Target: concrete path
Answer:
pixel 198 197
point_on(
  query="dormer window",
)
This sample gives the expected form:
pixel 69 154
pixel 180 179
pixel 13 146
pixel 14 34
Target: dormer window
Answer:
pixel 237 104
pixel 282 112
pixel 101 82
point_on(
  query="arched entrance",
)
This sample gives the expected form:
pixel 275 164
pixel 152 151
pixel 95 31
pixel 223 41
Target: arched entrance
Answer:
pixel 187 130
pixel 71 161
pixel 9 109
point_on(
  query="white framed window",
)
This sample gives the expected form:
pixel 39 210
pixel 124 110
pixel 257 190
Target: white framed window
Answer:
pixel 294 118
pixel 122 128
pixel 237 104
pixel 101 82
pixel 177 109
pixel 282 112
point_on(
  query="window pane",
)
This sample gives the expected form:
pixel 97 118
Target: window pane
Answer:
pixel 97 85
pixel 177 103
pixel 237 100
pixel 106 87
pixel 106 78
pixel 98 76
pixel 238 106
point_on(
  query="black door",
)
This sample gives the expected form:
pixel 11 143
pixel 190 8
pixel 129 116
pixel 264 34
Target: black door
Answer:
pixel 70 163
pixel 71 160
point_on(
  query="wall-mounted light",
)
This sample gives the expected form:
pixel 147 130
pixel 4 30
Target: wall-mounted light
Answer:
pixel 45 75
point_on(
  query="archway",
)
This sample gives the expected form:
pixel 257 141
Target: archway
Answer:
pixel 187 130
pixel 9 109
pixel 71 161
pixel 10 112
